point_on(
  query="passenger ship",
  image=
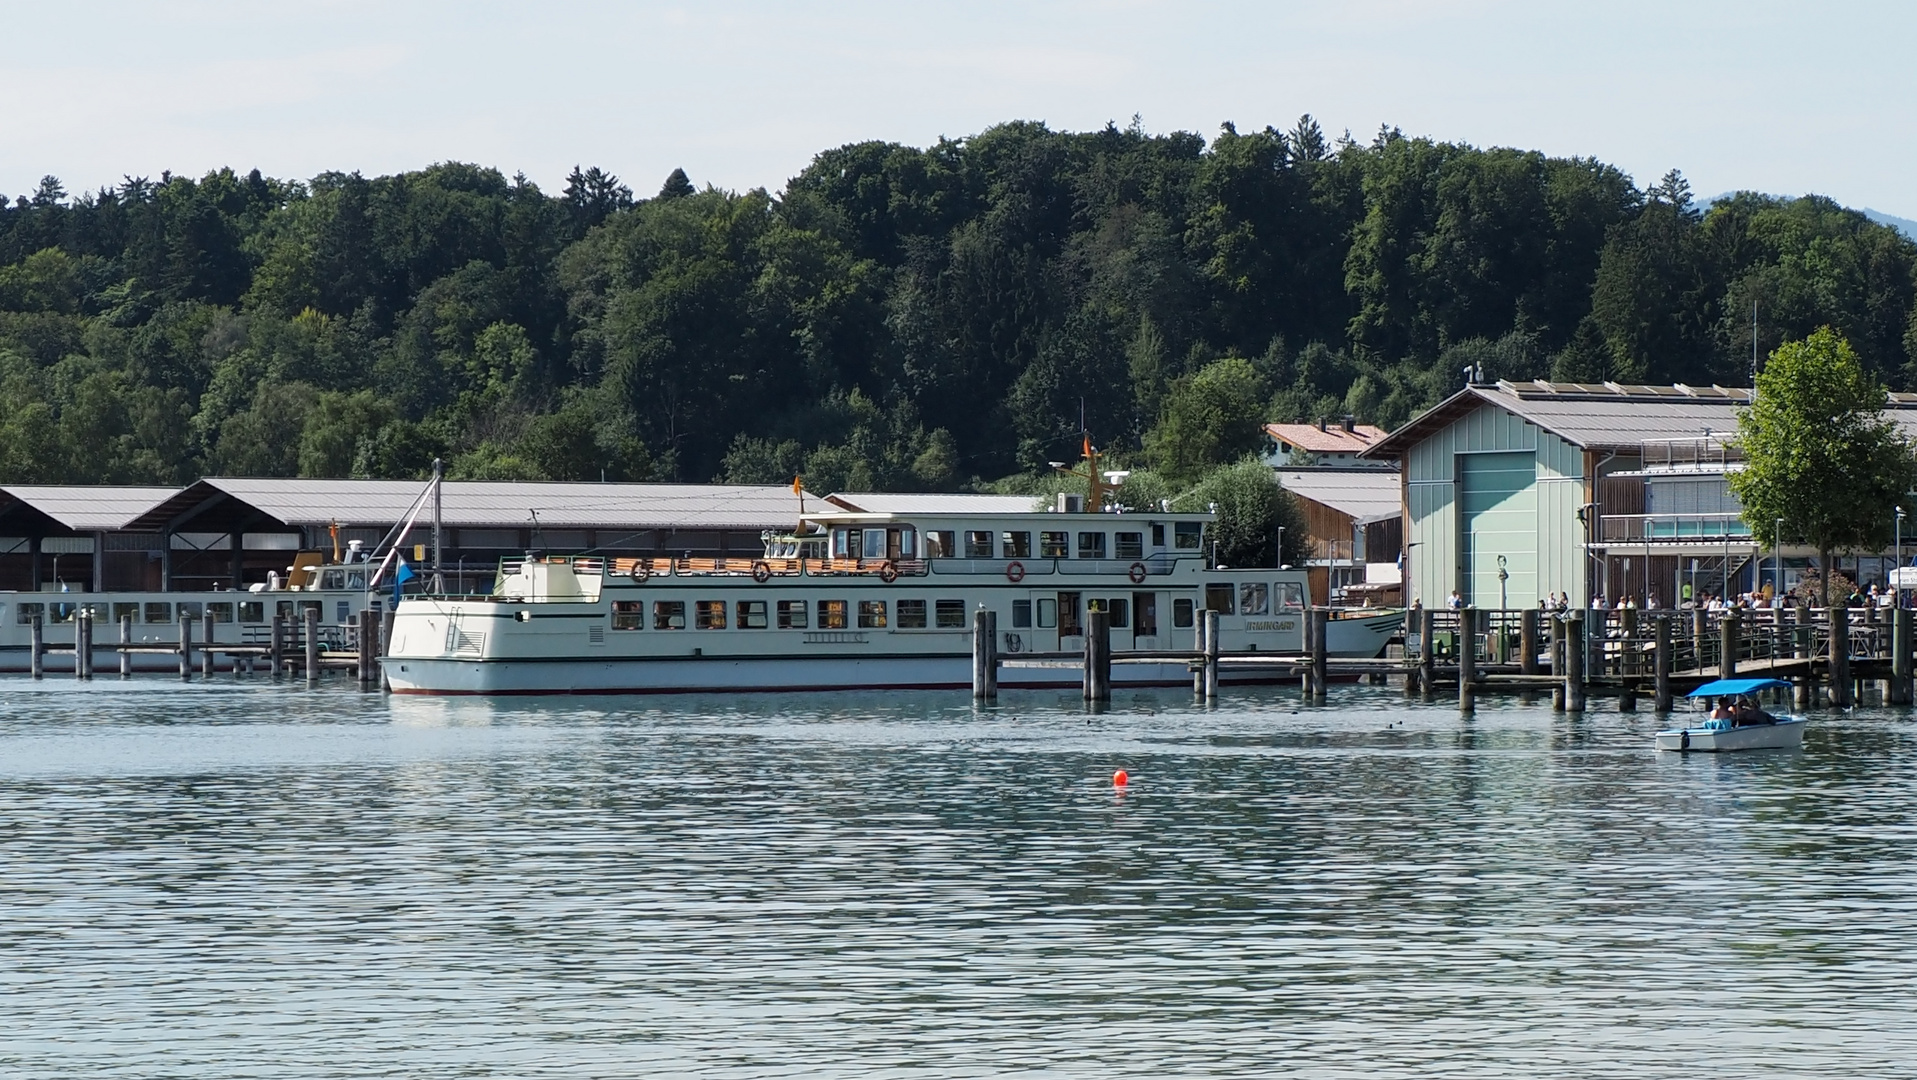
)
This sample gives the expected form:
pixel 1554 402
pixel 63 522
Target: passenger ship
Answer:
pixel 860 601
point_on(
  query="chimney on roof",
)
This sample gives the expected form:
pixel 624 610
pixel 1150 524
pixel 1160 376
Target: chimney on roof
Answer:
pixel 1349 423
pixel 1321 423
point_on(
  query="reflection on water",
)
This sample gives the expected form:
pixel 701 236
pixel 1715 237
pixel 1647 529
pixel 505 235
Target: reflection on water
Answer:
pixel 219 881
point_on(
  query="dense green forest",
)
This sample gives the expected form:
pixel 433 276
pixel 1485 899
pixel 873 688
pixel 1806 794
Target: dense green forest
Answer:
pixel 896 317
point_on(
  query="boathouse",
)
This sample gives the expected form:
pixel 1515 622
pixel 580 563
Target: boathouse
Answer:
pixel 1513 490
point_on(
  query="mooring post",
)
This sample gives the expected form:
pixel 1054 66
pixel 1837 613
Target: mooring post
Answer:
pixel 276 647
pixel 1405 657
pixel 1574 662
pixel 312 645
pixel 1840 695
pixel 386 644
pixel 981 658
pixel 126 646
pixel 1727 643
pixel 206 653
pixel 1098 656
pixel 365 643
pixel 1528 641
pixel 1198 654
pixel 991 654
pixel 37 645
pixel 1661 657
pixel 186 648
pixel 1700 633
pixel 1900 664
pixel 82 643
pixel 1627 663
pixel 1427 663
pixel 1803 633
pixel 1557 661
pixel 1468 660
pixel 1211 655
pixel 1320 631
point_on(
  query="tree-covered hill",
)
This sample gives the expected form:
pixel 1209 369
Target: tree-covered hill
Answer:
pixel 896 317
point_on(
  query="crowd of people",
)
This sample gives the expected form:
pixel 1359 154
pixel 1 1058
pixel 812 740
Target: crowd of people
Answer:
pixel 1874 597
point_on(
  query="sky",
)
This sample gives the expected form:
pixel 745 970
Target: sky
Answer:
pixel 1775 97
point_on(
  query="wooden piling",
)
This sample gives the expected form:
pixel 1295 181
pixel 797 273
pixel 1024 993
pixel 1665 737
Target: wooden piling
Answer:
pixel 1198 650
pixel 1467 660
pixel 276 647
pixel 1840 690
pixel 1557 661
pixel 1211 655
pixel 1727 645
pixel 1627 654
pixel 1427 664
pixel 386 640
pixel 1098 656
pixel 981 658
pixel 1661 657
pixel 1411 672
pixel 1700 633
pixel 1528 641
pixel 312 646
pixel 1574 662
pixel 1320 631
pixel 1900 659
pixel 126 644
pixel 206 653
pixel 186 648
pixel 83 643
pixel 37 644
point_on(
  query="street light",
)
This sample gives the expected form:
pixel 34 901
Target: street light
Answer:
pixel 1896 591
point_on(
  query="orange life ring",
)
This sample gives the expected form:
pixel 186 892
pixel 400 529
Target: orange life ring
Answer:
pixel 888 572
pixel 1137 573
pixel 1015 571
pixel 761 573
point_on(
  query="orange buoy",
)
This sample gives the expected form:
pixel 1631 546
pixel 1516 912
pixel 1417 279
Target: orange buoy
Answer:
pixel 1119 779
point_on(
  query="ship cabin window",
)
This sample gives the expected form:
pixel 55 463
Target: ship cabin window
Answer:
pixel 126 611
pixel 751 614
pixel 332 579
pixel 1018 545
pixel 911 614
pixel 1254 598
pixel 938 544
pixel 1218 598
pixel 871 614
pixel 1128 545
pixel 252 611
pixel 874 545
pixel 191 609
pixel 26 613
pixel 668 614
pixel 1118 609
pixel 710 614
pixel 1187 534
pixel 832 615
pixel 843 542
pixel 1146 622
pixel 1071 622
pixel 1047 613
pixel 1021 614
pixel 792 615
pixel 951 614
pixel 1182 612
pixel 1091 545
pixel 223 612
pixel 978 544
pixel 1158 535
pixel 1055 545
pixel 1291 595
pixel 628 614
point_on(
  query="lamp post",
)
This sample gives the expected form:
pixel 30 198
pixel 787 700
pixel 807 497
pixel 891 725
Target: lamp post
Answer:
pixel 1777 559
pixel 1896 591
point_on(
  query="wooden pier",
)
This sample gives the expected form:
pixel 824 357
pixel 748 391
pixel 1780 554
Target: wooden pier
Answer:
pixel 286 649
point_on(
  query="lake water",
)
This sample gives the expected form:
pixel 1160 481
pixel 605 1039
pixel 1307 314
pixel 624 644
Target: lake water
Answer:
pixel 240 880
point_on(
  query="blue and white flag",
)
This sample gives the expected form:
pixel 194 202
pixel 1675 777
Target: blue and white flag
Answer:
pixel 400 577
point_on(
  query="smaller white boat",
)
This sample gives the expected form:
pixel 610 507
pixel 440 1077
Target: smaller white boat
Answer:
pixel 1746 727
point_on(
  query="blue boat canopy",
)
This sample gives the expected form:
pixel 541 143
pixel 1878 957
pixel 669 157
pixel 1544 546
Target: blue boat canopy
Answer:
pixel 1729 687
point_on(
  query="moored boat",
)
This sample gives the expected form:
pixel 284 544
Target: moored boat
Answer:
pixel 1741 727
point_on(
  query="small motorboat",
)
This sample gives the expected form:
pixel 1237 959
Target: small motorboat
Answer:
pixel 1737 723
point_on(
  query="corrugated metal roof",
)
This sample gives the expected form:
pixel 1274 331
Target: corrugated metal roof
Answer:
pixel 87 509
pixel 895 502
pixel 1364 495
pixel 499 504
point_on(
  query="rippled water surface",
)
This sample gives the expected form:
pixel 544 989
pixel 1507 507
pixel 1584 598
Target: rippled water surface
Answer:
pixel 252 881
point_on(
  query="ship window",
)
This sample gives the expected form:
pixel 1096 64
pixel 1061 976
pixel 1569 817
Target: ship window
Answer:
pixel 873 544
pixel 872 614
pixel 1146 624
pixel 792 615
pixel 159 613
pixel 709 614
pixel 126 611
pixel 1018 545
pixel 832 614
pixel 1158 535
pixel 628 614
pixel 839 543
pixel 223 612
pixel 911 614
pixel 1047 613
pixel 333 579
pixel 1055 545
pixel 1091 545
pixel 1186 533
pixel 1021 614
pixel 1070 623
pixel 356 579
pixel 978 544
pixel 951 614
pixel 1121 611
pixel 1181 612
pixel 1128 545
pixel 252 611
pixel 751 614
pixel 668 614
pixel 1254 598
pixel 1218 598
pixel 192 608
pixel 938 543
pixel 1291 594
pixel 30 612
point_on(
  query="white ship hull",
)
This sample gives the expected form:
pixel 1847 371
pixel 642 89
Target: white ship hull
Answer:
pixel 1786 734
